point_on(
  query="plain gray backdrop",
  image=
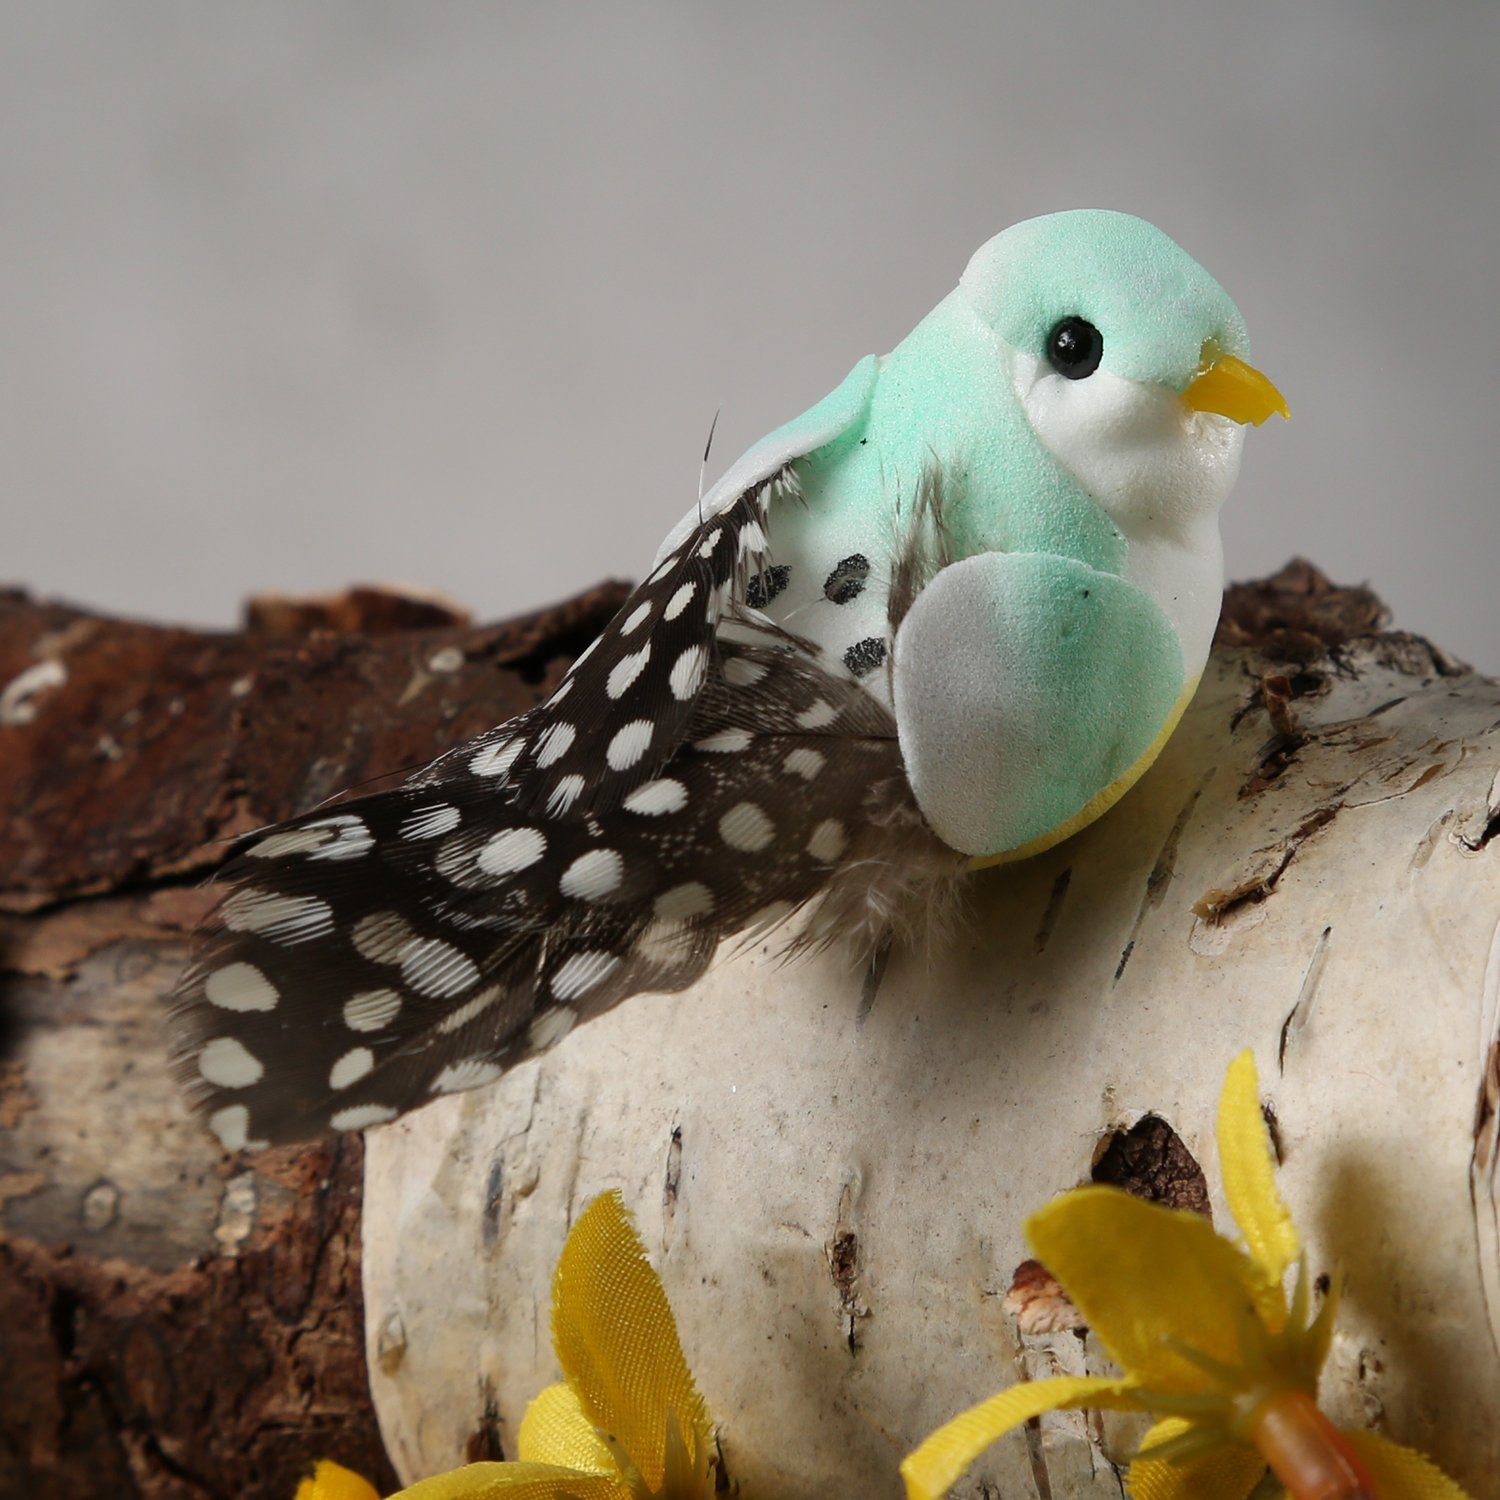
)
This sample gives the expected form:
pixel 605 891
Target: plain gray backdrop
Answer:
pixel 297 294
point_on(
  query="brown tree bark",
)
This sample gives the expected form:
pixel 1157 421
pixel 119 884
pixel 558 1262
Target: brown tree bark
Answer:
pixel 175 1322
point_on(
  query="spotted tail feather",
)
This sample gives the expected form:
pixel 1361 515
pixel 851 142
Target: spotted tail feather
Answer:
pixel 421 940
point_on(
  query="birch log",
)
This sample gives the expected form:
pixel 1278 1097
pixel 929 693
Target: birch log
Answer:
pixel 832 1171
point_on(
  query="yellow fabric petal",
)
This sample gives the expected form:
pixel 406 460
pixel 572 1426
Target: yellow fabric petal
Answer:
pixel 555 1431
pixel 937 1463
pixel 1402 1473
pixel 1141 1274
pixel 516 1482
pixel 1228 1472
pixel 1248 1169
pixel 331 1481
pixel 617 1342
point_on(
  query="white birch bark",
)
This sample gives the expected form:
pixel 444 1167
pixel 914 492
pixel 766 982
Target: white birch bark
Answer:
pixel 832 1176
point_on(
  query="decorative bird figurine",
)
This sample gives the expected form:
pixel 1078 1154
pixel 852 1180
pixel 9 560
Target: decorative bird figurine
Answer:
pixel 946 617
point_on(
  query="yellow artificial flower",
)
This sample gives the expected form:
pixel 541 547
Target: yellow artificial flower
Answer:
pixel 627 1422
pixel 331 1481
pixel 1208 1340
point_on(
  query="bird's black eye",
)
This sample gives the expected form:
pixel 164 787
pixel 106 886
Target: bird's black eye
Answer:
pixel 1074 348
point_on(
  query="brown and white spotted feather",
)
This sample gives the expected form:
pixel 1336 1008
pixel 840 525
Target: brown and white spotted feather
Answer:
pixel 685 783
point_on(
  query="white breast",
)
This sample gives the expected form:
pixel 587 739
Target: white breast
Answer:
pixel 1159 470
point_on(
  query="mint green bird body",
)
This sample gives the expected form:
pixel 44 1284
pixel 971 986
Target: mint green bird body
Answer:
pixel 1034 681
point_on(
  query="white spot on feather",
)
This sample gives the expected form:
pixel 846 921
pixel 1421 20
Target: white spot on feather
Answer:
pixel 691 899
pixel 634 618
pixel 725 742
pixel 240 987
pixel 551 1026
pixel 430 822
pixel 564 795
pixel 512 849
pixel 467 1074
pixel 350 838
pixel 355 1064
pixel 580 973
pixel 687 673
pixel 629 745
pixel 819 716
pixel 290 841
pixel 805 763
pixel 358 1116
pixel 497 759
pixel 665 944
pixel 371 1010
pixel 232 1126
pixel 746 827
pixel 653 798
pixel 626 670
pixel 827 841
pixel 436 968
pixel 229 1064
pixel 281 919
pixel 679 601
pixel 460 1017
pixel 555 744
pixel 593 876
pixel 381 936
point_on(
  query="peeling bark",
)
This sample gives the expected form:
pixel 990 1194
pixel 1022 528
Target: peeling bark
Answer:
pixel 178 1324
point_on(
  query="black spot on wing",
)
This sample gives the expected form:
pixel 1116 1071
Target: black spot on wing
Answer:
pixel 767 585
pixel 864 656
pixel 847 581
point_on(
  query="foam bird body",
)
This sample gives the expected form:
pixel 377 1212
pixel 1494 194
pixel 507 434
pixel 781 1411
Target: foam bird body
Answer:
pixel 946 616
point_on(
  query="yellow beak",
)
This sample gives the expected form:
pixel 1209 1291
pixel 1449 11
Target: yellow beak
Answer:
pixel 1233 389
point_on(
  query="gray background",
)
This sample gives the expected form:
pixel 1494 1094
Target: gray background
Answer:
pixel 295 294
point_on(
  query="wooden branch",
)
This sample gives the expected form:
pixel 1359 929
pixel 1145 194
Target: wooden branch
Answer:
pixel 175 1323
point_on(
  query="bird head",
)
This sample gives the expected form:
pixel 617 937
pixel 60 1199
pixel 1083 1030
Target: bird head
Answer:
pixel 1130 362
